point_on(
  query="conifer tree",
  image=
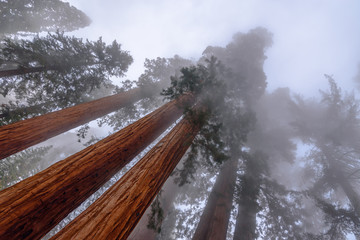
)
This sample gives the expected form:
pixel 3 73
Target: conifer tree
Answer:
pixel 40 15
pixel 332 128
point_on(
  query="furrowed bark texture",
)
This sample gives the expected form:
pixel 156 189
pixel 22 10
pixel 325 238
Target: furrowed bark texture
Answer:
pixel 23 134
pixel 115 214
pixel 168 195
pixel 215 218
pixel 21 71
pixel 29 209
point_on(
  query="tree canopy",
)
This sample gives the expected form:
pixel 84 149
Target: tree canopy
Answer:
pixel 40 15
pixel 56 71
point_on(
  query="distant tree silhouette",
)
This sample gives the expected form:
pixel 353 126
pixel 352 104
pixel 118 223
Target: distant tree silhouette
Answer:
pixel 40 15
pixel 332 128
pixel 214 220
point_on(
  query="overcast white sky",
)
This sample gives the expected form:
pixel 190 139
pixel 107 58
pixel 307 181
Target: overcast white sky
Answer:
pixel 311 37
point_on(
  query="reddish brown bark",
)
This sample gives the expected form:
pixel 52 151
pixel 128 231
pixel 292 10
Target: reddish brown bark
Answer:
pixel 215 218
pixel 168 194
pixel 29 209
pixel 23 134
pixel 115 214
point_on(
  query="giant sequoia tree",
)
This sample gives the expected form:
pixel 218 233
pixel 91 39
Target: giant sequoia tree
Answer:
pixel 121 207
pixel 229 116
pixel 247 135
pixel 56 71
pixel 40 15
pixel 18 136
pixel 66 184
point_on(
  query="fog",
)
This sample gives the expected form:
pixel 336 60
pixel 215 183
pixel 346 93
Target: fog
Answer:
pixel 310 39
pixel 280 84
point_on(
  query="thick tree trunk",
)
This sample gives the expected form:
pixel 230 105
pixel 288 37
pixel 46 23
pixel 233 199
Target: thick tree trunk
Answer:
pixel 115 214
pixel 168 194
pixel 21 71
pixel 246 220
pixel 29 209
pixel 23 134
pixel 215 218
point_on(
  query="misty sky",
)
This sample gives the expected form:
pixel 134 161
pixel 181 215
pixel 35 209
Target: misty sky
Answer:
pixel 311 37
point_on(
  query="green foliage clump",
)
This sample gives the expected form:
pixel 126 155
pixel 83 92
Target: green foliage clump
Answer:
pixel 207 85
pixel 67 70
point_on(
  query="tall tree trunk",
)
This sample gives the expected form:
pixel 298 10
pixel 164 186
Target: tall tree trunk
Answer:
pixel 246 220
pixel 247 208
pixel 115 214
pixel 215 218
pixel 168 195
pixel 29 209
pixel 21 71
pixel 23 134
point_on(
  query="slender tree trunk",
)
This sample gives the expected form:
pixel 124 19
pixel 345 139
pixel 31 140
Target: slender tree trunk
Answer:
pixel 29 209
pixel 337 168
pixel 23 134
pixel 115 214
pixel 215 218
pixel 168 195
pixel 350 193
pixel 21 71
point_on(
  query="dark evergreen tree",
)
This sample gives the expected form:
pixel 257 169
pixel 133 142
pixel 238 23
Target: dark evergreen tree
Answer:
pixel 245 56
pixel 331 128
pixel 40 15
